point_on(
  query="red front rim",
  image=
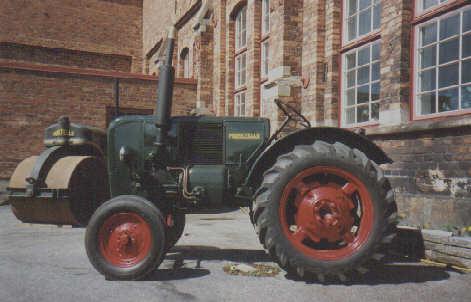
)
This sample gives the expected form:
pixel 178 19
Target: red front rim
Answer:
pixel 125 239
pixel 326 213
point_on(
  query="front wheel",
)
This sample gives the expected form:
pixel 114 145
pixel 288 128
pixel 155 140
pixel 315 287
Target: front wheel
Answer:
pixel 125 238
pixel 325 209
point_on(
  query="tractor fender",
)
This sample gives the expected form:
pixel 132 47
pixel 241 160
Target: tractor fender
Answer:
pixel 308 136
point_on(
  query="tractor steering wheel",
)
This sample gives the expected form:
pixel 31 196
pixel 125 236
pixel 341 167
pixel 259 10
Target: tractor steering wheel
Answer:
pixel 292 113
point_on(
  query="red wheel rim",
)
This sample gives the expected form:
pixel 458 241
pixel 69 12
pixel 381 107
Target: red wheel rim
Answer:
pixel 125 239
pixel 326 213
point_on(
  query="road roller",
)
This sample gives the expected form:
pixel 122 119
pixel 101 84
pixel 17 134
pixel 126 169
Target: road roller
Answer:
pixel 318 199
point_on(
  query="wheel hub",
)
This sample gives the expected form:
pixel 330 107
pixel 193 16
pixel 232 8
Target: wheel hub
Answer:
pixel 325 213
pixel 125 239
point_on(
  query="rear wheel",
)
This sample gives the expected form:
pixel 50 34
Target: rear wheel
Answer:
pixel 325 209
pixel 125 238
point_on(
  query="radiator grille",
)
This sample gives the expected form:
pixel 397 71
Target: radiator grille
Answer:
pixel 206 144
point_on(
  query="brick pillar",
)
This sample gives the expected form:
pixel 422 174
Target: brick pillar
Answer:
pixel 313 60
pixel 254 15
pixel 219 71
pixel 230 36
pixel 286 37
pixel 332 58
pixel 204 53
pixel 396 19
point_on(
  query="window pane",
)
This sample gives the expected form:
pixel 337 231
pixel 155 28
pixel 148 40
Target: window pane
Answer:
pixel 467 20
pixel 363 75
pixel 363 94
pixel 449 51
pixel 466 72
pixel 428 3
pixel 363 113
pixel 466 97
pixel 365 22
pixel 351 78
pixel 352 7
pixel 466 46
pixel 351 62
pixel 377 16
pixel 448 100
pixel 364 4
pixel 352 28
pixel 351 97
pixel 428 57
pixel 375 72
pixel 427 103
pixel 427 80
pixel 449 26
pixel 364 56
pixel 375 90
pixel 448 75
pixel 375 52
pixel 350 118
pixel 429 34
pixel 375 111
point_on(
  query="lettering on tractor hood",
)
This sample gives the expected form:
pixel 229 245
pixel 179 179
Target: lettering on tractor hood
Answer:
pixel 244 136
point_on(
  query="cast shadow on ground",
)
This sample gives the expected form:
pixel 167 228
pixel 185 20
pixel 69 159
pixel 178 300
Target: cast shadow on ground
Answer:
pixel 401 271
pixel 386 274
pixel 176 274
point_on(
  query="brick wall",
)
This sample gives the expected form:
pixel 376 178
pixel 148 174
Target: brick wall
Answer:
pixel 431 173
pixel 32 99
pixel 102 33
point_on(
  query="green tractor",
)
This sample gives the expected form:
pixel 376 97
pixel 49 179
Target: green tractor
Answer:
pixel 318 200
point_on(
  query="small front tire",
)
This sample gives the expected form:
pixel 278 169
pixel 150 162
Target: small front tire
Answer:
pixel 125 238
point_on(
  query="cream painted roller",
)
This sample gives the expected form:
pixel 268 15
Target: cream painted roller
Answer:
pixel 81 181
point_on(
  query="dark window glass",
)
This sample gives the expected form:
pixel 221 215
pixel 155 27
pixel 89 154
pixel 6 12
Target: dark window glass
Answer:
pixel 448 100
pixel 448 75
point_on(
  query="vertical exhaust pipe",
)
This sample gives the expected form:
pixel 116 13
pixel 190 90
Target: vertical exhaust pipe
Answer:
pixel 165 91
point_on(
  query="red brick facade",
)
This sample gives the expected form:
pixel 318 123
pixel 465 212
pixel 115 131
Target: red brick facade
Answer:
pixel 310 42
pixel 34 97
pixel 63 58
pixel 105 34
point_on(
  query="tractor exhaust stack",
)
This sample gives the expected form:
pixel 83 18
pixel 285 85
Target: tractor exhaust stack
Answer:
pixel 165 91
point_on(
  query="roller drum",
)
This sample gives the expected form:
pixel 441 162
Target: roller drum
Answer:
pixel 73 188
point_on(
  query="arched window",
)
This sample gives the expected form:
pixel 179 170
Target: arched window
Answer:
pixel 185 63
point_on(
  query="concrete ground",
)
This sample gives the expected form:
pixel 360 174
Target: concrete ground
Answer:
pixel 46 263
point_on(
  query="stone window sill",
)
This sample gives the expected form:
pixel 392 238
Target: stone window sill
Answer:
pixel 421 125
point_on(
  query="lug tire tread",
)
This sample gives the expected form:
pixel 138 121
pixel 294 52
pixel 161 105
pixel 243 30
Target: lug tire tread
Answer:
pixel 264 224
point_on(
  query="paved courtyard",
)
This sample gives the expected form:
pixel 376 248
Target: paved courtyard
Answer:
pixel 46 263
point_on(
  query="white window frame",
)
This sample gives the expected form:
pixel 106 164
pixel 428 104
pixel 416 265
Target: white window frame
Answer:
pixel 346 17
pixel 240 104
pixel 265 17
pixel 417 69
pixel 344 85
pixel 240 70
pixel 419 4
pixel 241 29
pixel 264 67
